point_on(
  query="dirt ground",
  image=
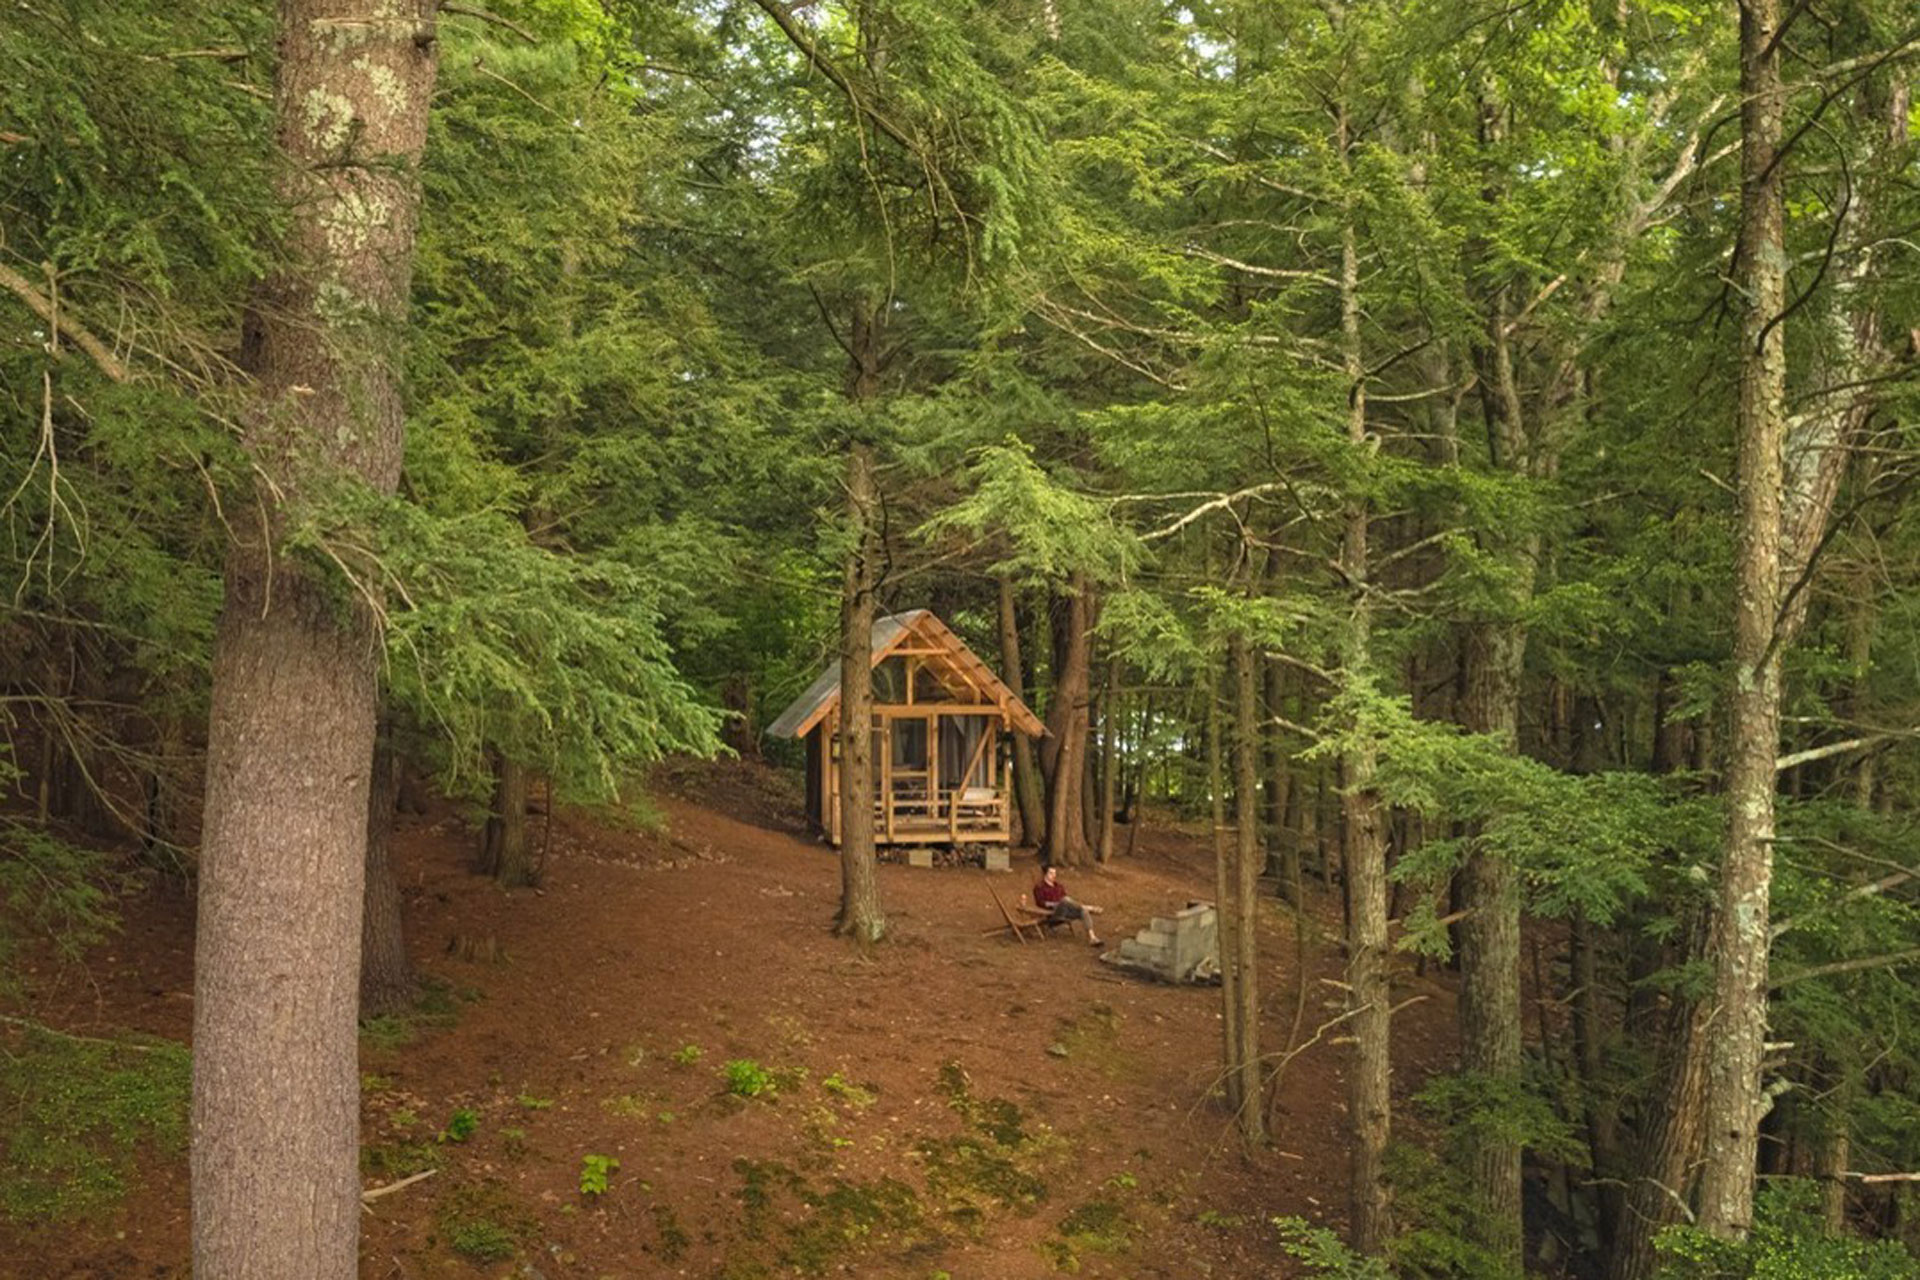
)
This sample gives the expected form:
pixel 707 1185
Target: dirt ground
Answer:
pixel 949 1103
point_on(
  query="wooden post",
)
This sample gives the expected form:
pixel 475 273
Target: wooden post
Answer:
pixel 933 766
pixel 886 776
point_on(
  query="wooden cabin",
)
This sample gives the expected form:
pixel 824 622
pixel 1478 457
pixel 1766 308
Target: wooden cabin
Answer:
pixel 940 720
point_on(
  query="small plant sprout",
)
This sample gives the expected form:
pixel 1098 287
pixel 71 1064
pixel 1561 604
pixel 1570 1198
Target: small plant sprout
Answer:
pixel 686 1055
pixel 463 1124
pixel 595 1173
pixel 748 1079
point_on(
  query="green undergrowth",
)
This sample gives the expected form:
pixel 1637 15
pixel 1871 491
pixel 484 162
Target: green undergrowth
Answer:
pixel 482 1222
pixel 993 1164
pixel 75 1114
pixel 1092 1039
pixel 436 1009
pixel 813 1227
pixel 803 1220
pixel 1099 1226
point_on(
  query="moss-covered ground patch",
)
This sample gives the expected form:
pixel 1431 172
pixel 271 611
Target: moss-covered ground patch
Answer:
pixel 74 1113
pixel 481 1221
pixel 436 1008
pixel 814 1227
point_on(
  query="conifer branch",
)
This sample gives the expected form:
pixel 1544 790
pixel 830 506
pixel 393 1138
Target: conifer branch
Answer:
pixel 784 19
pixel 43 306
pixel 483 15
pixel 1855 965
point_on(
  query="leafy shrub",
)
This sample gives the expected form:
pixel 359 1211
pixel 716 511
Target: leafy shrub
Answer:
pixel 463 1124
pixel 595 1174
pixel 1325 1254
pixel 1788 1242
pixel 748 1079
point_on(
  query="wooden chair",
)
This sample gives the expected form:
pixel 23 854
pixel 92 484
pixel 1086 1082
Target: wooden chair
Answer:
pixel 1022 916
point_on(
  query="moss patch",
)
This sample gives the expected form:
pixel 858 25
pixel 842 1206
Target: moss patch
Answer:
pixel 481 1221
pixel 814 1228
pixel 74 1114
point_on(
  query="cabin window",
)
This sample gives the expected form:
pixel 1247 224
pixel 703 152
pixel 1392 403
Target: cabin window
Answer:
pixel 909 744
pixel 890 681
pixel 965 751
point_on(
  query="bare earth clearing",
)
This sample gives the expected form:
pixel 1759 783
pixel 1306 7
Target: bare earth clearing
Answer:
pixel 598 1016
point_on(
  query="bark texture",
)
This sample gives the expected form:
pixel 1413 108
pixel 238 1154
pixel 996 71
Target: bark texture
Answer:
pixel 1740 931
pixel 860 915
pixel 1027 791
pixel 290 738
pixel 1492 656
pixel 1243 1017
pixel 386 974
pixel 1062 752
pixel 506 850
pixel 1363 830
pixel 1112 721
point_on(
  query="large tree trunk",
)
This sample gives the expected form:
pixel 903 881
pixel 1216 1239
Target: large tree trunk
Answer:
pixel 386 975
pixel 1364 851
pixel 1226 887
pixel 860 915
pixel 1740 932
pixel 1026 775
pixel 1283 848
pixel 1489 1011
pixel 1668 1150
pixel 1592 1041
pixel 1112 724
pixel 1243 1018
pixel 290 737
pixel 1061 753
pixel 506 852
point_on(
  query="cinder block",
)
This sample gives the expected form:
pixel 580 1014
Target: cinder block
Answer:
pixel 920 856
pixel 999 860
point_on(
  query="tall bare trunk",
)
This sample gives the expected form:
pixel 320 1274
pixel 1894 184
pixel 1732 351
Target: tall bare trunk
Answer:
pixel 1669 1144
pixel 1283 846
pixel 1112 724
pixel 1226 886
pixel 1244 1018
pixel 386 975
pixel 1740 932
pixel 1489 1009
pixel 290 734
pixel 1026 775
pixel 860 915
pixel 506 852
pixel 1062 753
pixel 1364 846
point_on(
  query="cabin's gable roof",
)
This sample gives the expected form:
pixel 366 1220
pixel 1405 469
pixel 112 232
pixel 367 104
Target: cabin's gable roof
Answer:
pixel 894 632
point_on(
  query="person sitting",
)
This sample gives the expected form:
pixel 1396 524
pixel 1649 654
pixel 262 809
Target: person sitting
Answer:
pixel 1051 896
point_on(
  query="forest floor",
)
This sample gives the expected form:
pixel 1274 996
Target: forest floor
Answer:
pixel 779 1101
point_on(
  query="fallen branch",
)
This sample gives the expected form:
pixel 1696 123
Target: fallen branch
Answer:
pixel 391 1187
pixel 45 1030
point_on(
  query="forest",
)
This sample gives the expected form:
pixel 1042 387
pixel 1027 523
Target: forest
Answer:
pixel 1438 469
